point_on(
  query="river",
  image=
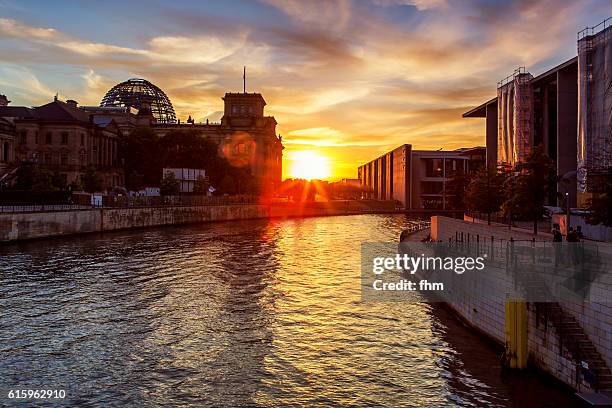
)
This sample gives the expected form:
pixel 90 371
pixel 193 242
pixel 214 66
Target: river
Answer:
pixel 250 313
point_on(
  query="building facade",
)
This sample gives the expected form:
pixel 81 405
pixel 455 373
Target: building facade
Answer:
pixel 246 137
pixel 567 110
pixel 67 138
pixel 417 178
pixel 64 139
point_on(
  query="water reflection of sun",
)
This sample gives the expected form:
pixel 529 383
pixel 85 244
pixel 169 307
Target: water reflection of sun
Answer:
pixel 309 165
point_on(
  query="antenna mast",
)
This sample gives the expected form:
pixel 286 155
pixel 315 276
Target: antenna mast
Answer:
pixel 244 79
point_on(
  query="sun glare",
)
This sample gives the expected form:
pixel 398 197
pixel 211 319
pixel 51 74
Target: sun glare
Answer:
pixel 309 165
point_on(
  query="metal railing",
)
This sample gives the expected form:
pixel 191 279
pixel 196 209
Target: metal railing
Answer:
pixel 589 31
pixel 133 202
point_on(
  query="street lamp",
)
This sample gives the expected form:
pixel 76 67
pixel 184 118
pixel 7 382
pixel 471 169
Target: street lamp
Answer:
pixel 567 216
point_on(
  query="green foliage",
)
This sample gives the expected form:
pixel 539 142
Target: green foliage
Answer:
pixel 91 180
pixel 169 184
pixel 43 180
pixel 345 191
pixel 39 179
pixel 227 185
pixel 58 181
pixel 75 185
pixel 135 181
pixel 456 190
pixel 485 192
pixel 140 152
pixel 299 190
pixel 145 155
pixel 25 177
pixel 200 186
pixel 600 205
pixel 528 188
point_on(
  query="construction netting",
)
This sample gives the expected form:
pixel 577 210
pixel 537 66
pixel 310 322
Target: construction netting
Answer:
pixel 514 118
pixel 594 148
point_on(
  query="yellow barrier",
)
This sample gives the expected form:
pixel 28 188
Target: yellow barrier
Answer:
pixel 516 334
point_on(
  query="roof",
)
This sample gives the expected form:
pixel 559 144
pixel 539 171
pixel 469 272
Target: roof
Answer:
pixel 61 111
pixel 16 112
pixel 481 111
pixel 244 95
pixel 554 70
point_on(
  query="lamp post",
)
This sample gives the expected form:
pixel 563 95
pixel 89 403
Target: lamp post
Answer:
pixel 567 216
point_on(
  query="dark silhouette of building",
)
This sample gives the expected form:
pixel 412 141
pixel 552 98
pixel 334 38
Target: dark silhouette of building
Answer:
pixel 246 137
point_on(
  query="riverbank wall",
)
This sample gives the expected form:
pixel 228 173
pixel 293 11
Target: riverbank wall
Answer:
pixel 570 340
pixel 18 226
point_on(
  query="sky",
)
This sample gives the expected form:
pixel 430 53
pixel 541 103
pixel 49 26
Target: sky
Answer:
pixel 345 80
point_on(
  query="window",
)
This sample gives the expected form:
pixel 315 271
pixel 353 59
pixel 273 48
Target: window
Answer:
pixel 82 139
pixel 234 109
pixel 64 138
pixel 36 138
pixel 23 137
pixel 64 159
pixel 48 138
pixel 47 158
pixel 433 167
pixel 432 187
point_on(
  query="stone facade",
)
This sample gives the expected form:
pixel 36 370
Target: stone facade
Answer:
pixel 417 178
pixel 7 144
pixel 245 136
pixel 64 139
pixel 546 349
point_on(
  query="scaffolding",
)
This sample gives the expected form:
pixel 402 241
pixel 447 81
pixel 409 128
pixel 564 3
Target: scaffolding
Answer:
pixel 515 117
pixel 594 161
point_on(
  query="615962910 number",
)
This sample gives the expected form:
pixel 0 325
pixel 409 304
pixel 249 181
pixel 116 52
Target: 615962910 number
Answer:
pixel 37 394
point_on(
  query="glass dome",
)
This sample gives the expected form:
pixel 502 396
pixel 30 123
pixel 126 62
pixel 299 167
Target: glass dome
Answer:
pixel 135 92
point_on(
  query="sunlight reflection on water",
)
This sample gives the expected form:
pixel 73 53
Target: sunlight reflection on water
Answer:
pixel 263 313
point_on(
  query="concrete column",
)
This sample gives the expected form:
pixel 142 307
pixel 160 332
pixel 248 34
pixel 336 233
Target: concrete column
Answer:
pixel 567 126
pixel 491 134
pixel 545 118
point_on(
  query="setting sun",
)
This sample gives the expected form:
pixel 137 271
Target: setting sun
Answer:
pixel 308 164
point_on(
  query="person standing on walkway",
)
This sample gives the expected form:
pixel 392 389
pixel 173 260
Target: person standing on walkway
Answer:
pixel 557 239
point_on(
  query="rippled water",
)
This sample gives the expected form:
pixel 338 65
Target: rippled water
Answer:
pixel 256 313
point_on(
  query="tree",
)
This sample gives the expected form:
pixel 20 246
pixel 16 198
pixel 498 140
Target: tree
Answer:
pixel 200 186
pixel 141 154
pixel 484 192
pixel 43 181
pixel 600 205
pixel 528 188
pixel 25 177
pixel 169 184
pixel 135 181
pixel 227 186
pixel 58 181
pixel 91 180
pixel 456 191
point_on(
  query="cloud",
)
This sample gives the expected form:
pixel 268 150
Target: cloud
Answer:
pixel 329 14
pixel 350 78
pixel 419 4
pixel 16 29
pixel 24 85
